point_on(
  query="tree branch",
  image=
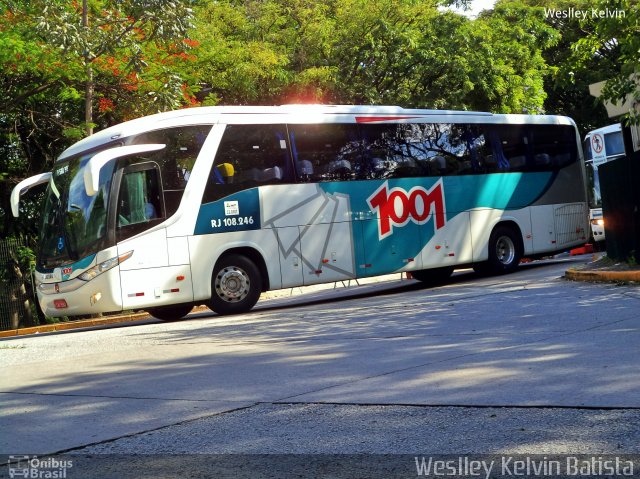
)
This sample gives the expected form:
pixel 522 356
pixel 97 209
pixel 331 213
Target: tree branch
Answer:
pixel 20 99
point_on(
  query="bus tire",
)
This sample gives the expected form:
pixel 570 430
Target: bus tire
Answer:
pixel 434 275
pixel 505 251
pixel 170 313
pixel 235 286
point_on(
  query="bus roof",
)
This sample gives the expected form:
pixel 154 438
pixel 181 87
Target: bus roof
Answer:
pixel 296 113
pixel 604 130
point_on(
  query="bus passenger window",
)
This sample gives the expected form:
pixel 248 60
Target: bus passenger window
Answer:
pixel 614 143
pixel 449 148
pixel 553 146
pixel 325 152
pixel 176 159
pixel 478 152
pixel 392 151
pixel 510 147
pixel 249 156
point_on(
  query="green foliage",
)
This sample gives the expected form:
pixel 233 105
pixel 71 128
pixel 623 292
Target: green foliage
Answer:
pixel 508 67
pixel 74 133
pixel 129 49
pixel 26 257
pixel 606 49
pixel 370 52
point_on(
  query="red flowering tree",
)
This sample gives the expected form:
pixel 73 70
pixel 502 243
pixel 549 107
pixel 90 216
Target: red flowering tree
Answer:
pixel 69 66
pixel 121 47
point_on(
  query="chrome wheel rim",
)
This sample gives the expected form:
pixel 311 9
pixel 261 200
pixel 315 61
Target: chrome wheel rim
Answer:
pixel 232 284
pixel 505 250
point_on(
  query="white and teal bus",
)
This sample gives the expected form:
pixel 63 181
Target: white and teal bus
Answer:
pixel 600 146
pixel 216 205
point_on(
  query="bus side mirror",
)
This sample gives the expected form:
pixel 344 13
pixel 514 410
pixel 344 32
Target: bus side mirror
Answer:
pixel 26 185
pixel 95 164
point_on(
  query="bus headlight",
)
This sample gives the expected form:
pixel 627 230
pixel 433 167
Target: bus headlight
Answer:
pixel 98 269
pixel 598 222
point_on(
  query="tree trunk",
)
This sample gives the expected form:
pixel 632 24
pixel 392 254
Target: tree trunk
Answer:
pixel 88 102
pixel 22 300
pixel 88 89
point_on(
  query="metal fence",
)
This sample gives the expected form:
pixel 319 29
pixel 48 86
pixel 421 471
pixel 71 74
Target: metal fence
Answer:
pixel 16 294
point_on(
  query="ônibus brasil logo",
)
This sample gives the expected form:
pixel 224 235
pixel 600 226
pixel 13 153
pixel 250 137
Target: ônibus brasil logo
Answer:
pixel 396 207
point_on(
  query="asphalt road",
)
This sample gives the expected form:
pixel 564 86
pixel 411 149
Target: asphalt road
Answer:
pixel 525 363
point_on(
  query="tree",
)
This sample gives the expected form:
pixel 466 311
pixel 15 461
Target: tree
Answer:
pixel 241 52
pixel 117 31
pixel 612 49
pixel 505 51
pixel 400 52
pixel 566 86
pixel 126 61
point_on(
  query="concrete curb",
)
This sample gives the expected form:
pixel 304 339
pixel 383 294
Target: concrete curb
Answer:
pixel 84 323
pixel 602 276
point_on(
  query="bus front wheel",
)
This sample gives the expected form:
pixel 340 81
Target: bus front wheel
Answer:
pixel 170 313
pixel 505 251
pixel 235 286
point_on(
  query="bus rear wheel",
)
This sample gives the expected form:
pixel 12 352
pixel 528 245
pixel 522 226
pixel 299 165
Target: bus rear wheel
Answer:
pixel 170 313
pixel 433 276
pixel 505 251
pixel 236 285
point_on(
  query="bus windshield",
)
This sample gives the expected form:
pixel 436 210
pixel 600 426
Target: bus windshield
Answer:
pixel 74 224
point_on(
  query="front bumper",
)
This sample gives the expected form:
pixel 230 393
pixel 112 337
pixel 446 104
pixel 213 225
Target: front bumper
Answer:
pixel 100 295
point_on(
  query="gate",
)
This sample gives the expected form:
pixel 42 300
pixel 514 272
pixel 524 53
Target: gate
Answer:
pixel 570 223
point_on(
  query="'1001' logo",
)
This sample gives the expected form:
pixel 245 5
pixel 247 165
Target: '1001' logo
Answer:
pixel 396 207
